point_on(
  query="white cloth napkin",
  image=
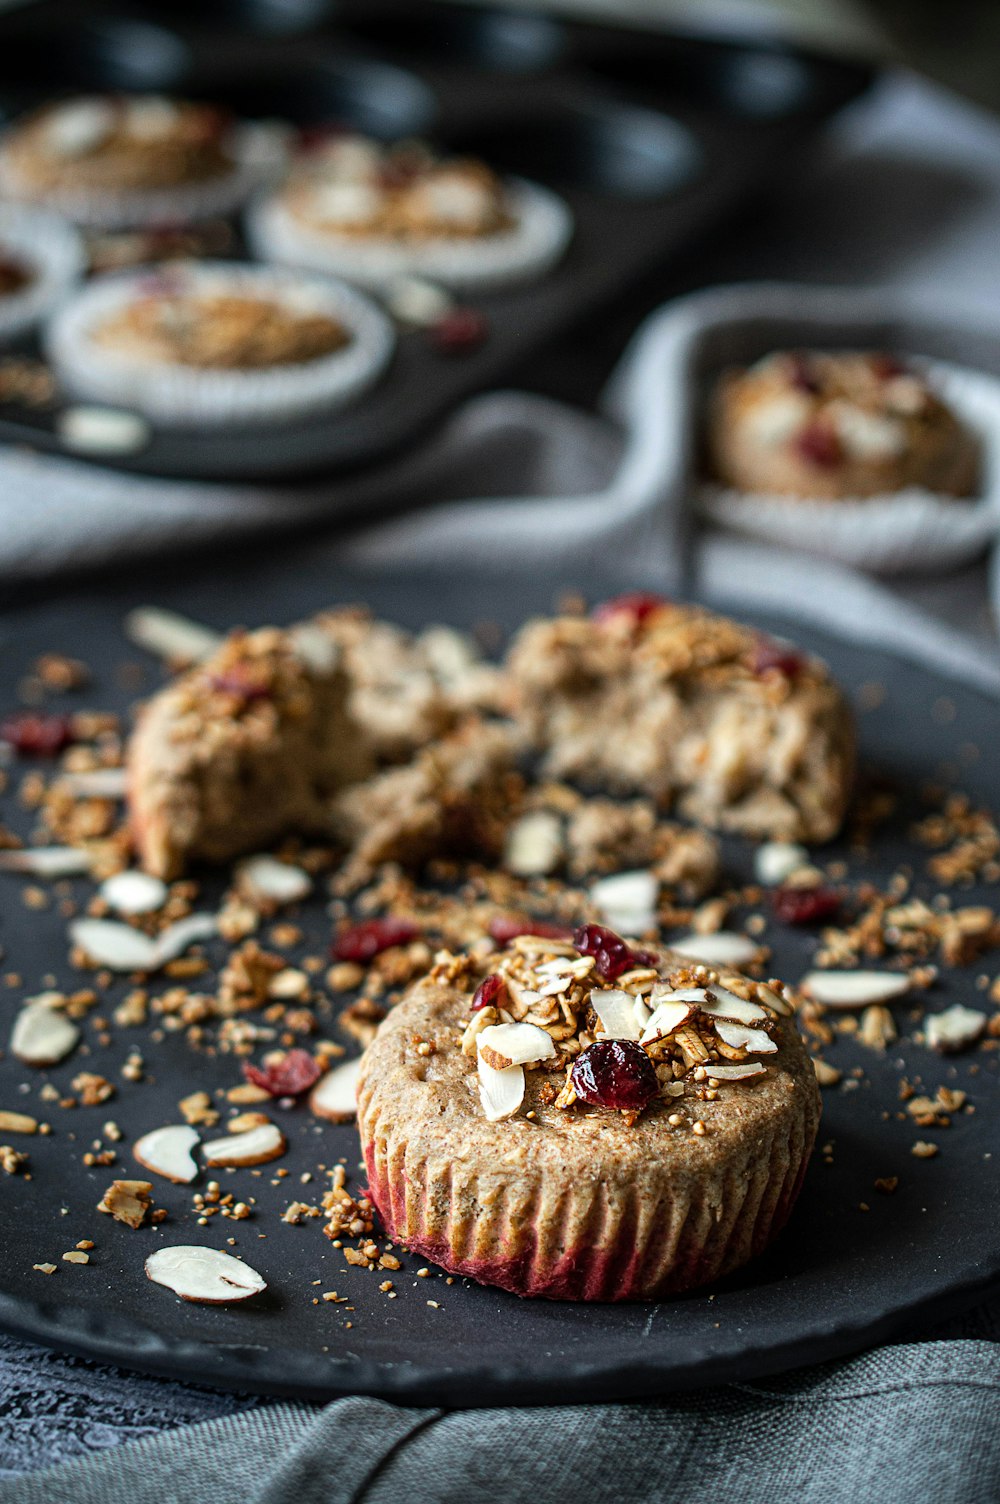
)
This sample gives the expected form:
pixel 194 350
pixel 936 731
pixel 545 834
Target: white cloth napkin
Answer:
pixel 906 193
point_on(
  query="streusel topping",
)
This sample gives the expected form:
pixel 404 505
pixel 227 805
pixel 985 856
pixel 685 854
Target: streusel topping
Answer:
pixel 220 331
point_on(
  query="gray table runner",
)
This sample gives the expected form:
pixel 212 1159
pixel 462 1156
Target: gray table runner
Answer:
pixel 907 195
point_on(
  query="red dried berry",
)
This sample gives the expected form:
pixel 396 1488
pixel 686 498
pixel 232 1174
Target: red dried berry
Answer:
pixel 770 655
pixel 887 367
pixel 801 373
pixel 459 331
pixel 364 941
pixel 241 683
pixel 637 604
pixel 505 928
pixel 34 734
pixel 288 1077
pixel 817 443
pixel 610 951
pixel 488 992
pixel 805 905
pixel 616 1074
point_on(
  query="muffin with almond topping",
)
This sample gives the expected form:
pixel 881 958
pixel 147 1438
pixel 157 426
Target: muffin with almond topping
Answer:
pixel 116 161
pixel 587 1121
pixel 831 426
pixel 373 213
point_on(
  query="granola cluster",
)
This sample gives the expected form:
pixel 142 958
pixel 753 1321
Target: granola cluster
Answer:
pixel 219 332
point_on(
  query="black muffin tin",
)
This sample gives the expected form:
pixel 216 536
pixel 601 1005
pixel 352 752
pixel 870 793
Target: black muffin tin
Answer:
pixel 652 140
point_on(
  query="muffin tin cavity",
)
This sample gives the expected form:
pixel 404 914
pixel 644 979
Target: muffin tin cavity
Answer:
pixel 756 83
pixel 100 55
pixel 357 94
pixel 496 40
pixel 601 148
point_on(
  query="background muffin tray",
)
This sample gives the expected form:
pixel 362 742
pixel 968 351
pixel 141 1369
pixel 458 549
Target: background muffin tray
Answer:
pixel 653 141
pixel 839 1278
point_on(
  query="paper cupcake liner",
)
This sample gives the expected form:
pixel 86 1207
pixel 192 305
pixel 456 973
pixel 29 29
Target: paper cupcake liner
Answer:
pixel 902 532
pixel 54 253
pixel 537 241
pixel 548 1235
pixel 191 396
pixel 259 159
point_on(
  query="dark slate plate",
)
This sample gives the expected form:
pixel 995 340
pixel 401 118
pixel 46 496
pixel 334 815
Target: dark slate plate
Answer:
pixel 838 1280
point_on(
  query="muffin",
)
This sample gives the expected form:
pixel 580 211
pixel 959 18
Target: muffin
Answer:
pixel 584 1121
pixel 121 161
pixel 374 213
pixel 41 257
pixel 219 343
pixel 837 426
pixel 737 730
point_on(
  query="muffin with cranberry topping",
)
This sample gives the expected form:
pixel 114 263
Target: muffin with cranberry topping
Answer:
pixel 41 257
pixel 115 161
pixel 586 1121
pixel 373 213
pixel 737 730
pixel 219 343
pixel 830 426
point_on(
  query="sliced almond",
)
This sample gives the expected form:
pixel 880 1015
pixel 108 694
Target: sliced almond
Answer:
pixel 504 1045
pixel 739 1036
pixel 534 844
pixel 254 1148
pixel 955 1029
pixel 174 638
pixel 500 1092
pixel 666 1019
pixel 721 1003
pixel 854 989
pixel 742 1071
pixel 335 1096
pixel 661 993
pixel 627 900
pixel 122 948
pixel 17 1122
pixel 315 648
pixel 723 948
pixel 206 1275
pixel 47 861
pixel 167 1152
pixel 616 1014
pixel 267 880
pixel 94 783
pixel 775 861
pixel 134 893
pixel 173 942
pixel 42 1036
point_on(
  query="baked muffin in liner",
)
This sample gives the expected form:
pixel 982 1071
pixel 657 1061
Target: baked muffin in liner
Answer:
pixel 171 392
pixel 254 155
pixel 537 238
pixel 573 1202
pixel 52 256
pixel 946 511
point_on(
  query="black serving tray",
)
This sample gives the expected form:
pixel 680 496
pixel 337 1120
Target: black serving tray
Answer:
pixel 840 1278
pixel 652 139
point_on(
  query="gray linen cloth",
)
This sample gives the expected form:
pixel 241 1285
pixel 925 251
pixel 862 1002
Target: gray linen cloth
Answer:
pixel 907 195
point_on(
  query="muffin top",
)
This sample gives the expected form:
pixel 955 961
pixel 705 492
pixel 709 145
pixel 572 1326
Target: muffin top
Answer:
pixel 568 1038
pixel 815 423
pixel 219 331
pixel 119 142
pixel 351 185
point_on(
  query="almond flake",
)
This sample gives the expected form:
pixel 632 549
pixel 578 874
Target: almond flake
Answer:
pixel 775 861
pixel 94 783
pixel 666 1019
pixel 47 861
pixel 721 1003
pixel 205 1275
pixel 854 989
pixel 505 1045
pixel 257 1147
pixel 167 1152
pixel 742 1071
pixel 134 893
pixel 334 1097
pixel 534 844
pixel 616 1015
pixel 121 948
pixel 17 1122
pixel 724 948
pixel 41 1036
pixel 169 636
pixel 265 879
pixel 500 1092
pixel 627 901
pixel 955 1029
pixel 738 1035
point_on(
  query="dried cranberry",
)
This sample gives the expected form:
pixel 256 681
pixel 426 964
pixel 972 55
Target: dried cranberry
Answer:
pixel 614 1073
pixel 288 1077
pixel 887 367
pixel 505 928
pixel 314 137
pixel 488 992
pixel 459 331
pixel 367 939
pixel 805 905
pixel 241 683
pixel 610 951
pixel 771 655
pixel 34 734
pixel 637 604
pixel 818 444
pixel 802 375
